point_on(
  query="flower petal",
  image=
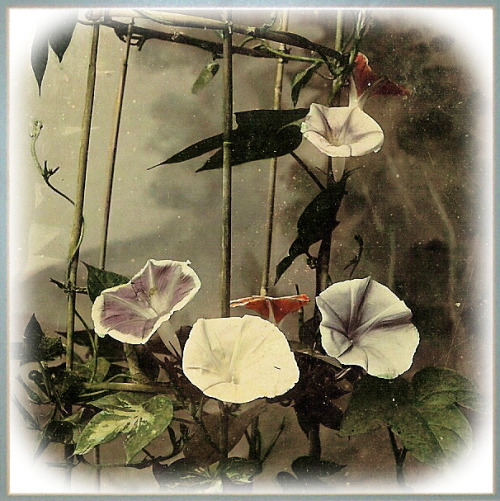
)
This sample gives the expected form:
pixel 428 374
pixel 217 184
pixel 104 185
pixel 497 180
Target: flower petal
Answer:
pixel 133 312
pixel 364 323
pixel 342 131
pixel 239 359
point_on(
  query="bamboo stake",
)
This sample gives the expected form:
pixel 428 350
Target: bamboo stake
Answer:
pixel 76 232
pixel 227 108
pixel 77 228
pixel 113 149
pixel 278 88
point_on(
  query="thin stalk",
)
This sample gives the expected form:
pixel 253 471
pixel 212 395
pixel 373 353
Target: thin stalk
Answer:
pixel 113 148
pixel 174 19
pixel 227 112
pixel 76 230
pixel 135 387
pixel 278 88
pixel 224 429
pixel 307 170
pixel 399 456
pixel 314 442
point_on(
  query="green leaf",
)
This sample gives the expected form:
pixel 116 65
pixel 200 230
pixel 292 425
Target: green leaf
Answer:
pixel 301 79
pixel 39 55
pixel 99 280
pixel 102 428
pixel 37 347
pixel 205 76
pixel 258 146
pixel 239 470
pixel 139 416
pixel 153 420
pixel 60 432
pixel 87 370
pixel 260 134
pixel 440 387
pixel 123 400
pixel 62 32
pixel 318 218
pixel 373 403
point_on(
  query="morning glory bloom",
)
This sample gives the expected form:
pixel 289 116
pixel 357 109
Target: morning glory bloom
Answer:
pixel 342 132
pixel 133 312
pixel 365 324
pixel 239 359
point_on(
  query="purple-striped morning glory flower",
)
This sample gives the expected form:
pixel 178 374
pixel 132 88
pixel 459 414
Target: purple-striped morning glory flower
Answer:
pixel 239 359
pixel 133 312
pixel 364 323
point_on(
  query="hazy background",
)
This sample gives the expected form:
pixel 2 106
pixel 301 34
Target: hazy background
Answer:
pixel 420 203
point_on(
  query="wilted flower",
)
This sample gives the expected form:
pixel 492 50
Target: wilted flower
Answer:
pixel 364 323
pixel 133 312
pixel 272 308
pixel 366 80
pixel 239 359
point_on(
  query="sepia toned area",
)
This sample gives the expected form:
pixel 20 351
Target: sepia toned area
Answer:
pixel 415 217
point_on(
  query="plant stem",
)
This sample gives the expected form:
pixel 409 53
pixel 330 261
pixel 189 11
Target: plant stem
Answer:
pixel 399 456
pixel 278 88
pixel 76 230
pixel 224 429
pixel 113 149
pixel 227 111
pixel 174 19
pixel 314 442
pixel 307 170
pixel 136 387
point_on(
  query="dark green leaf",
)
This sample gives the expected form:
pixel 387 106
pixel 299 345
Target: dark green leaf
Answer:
pixel 205 76
pixel 68 385
pixel 239 470
pixel 258 146
pixel 318 218
pixel 87 370
pixel 199 449
pixel 62 32
pixel 440 387
pixel 147 362
pixel 99 280
pixel 185 475
pixel 307 468
pixel 156 414
pixel 288 482
pixel 60 432
pixel 373 403
pixel 260 134
pixel 301 79
pixel 40 55
pixel 37 347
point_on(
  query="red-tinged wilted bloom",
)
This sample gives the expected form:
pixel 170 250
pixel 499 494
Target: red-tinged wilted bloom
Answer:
pixel 133 312
pixel 272 308
pixel 365 78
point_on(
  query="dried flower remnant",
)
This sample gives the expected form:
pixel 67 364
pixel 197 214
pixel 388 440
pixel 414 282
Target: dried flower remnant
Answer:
pixel 272 308
pixel 239 359
pixel 133 312
pixel 366 324
pixel 366 80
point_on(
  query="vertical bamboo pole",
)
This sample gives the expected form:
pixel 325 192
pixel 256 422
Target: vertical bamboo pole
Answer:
pixel 278 87
pixel 227 111
pixel 114 148
pixel 77 228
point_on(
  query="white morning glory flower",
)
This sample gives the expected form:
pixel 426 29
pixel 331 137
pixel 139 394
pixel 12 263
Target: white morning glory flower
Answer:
pixel 343 131
pixel 364 323
pixel 133 312
pixel 239 359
